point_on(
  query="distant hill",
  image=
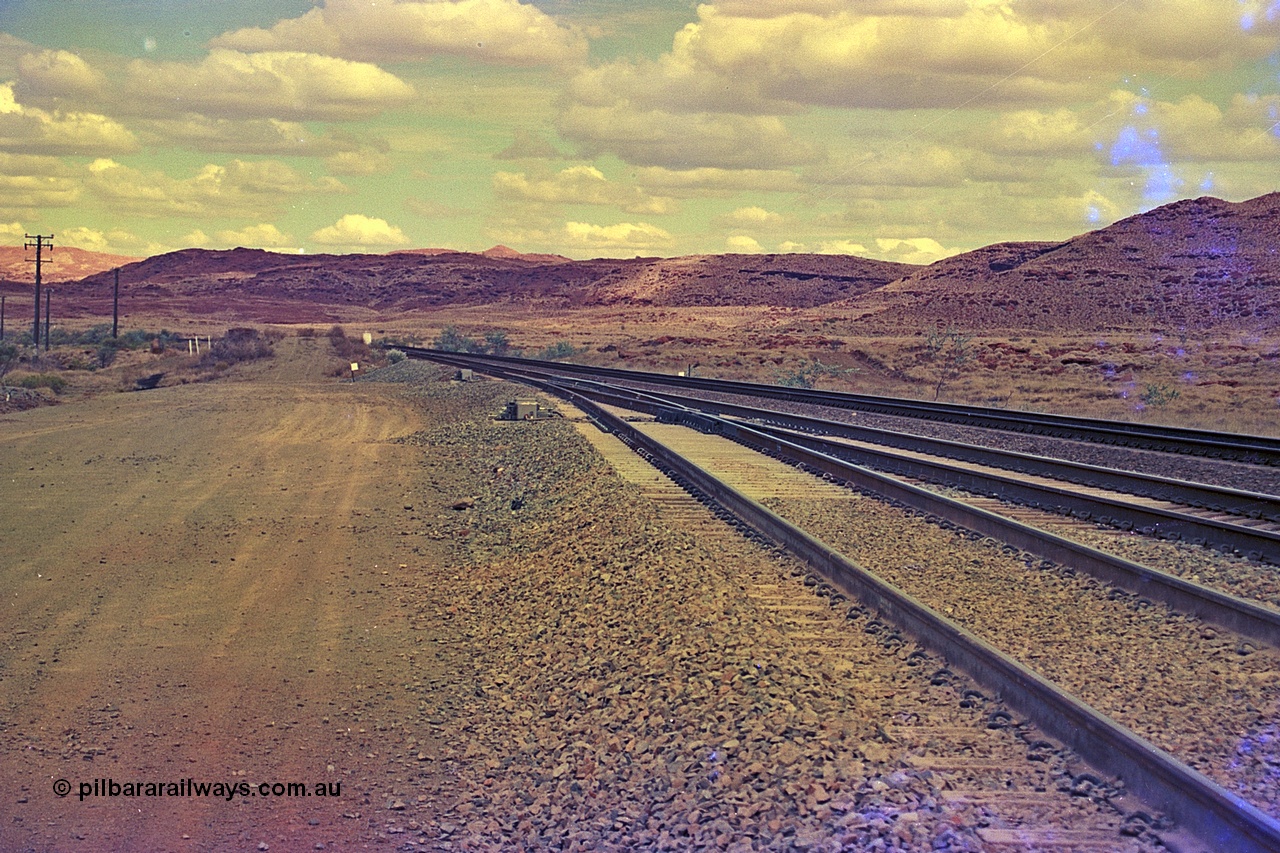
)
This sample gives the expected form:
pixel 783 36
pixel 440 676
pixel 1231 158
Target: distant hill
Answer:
pixel 1190 265
pixel 63 263
pixel 498 251
pixel 430 278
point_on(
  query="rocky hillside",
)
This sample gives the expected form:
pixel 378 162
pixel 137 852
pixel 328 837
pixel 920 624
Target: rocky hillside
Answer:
pixel 1191 265
pixel 430 279
pixel 64 263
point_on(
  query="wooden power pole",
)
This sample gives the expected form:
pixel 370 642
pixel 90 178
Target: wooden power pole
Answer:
pixel 39 245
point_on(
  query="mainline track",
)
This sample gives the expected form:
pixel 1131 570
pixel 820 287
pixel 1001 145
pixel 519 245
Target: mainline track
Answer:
pixel 1218 499
pixel 1262 450
pixel 1251 533
pixel 1216 816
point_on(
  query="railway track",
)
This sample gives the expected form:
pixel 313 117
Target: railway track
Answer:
pixel 1231 520
pixel 1222 819
pixel 1262 450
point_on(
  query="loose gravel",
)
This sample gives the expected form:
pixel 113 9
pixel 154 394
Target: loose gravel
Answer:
pixel 1236 475
pixel 1224 572
pixel 617 681
pixel 1209 698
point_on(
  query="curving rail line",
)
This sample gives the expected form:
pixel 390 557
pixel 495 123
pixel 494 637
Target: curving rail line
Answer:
pixel 1238 536
pixel 1263 450
pixel 1198 805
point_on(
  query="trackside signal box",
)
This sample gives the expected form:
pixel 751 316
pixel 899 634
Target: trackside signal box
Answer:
pixel 523 410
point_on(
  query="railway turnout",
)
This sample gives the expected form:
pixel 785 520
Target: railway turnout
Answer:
pixel 1216 816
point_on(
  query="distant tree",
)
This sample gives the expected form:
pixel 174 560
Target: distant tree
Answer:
pixel 948 350
pixel 8 357
pixel 558 351
pixel 496 343
pixel 451 340
pixel 806 374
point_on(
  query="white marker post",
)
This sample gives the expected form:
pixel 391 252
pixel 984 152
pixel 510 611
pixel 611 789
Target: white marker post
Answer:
pixel 354 367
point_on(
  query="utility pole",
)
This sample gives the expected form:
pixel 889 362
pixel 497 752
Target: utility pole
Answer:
pixel 115 307
pixel 1 316
pixel 39 246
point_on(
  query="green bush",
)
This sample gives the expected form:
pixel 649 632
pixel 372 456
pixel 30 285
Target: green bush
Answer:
pixel 451 340
pixel 52 381
pixel 1158 396
pixel 806 374
pixel 559 350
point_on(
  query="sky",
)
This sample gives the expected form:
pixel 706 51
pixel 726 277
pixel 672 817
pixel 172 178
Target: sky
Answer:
pixel 906 130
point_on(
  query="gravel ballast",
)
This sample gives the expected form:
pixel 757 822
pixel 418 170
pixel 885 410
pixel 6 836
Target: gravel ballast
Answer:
pixel 614 680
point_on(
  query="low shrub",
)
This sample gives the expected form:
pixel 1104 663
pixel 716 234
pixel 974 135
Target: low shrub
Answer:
pixel 235 346
pixel 559 350
pixel 52 381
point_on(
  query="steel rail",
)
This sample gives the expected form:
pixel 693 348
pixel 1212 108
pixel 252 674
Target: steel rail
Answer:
pixel 1247 618
pixel 1197 495
pixel 1254 543
pixel 1237 446
pixel 1196 804
pixel 1242 616
pixel 1257 544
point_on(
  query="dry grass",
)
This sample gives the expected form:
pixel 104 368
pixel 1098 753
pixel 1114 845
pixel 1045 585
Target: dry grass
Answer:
pixel 1224 381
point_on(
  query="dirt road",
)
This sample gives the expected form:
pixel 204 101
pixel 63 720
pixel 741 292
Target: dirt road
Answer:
pixel 195 584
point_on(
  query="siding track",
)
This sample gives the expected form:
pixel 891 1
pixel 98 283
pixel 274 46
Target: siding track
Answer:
pixel 1218 818
pixel 1255 449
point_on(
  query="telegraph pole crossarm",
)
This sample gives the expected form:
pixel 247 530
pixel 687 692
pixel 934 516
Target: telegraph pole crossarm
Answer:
pixel 39 242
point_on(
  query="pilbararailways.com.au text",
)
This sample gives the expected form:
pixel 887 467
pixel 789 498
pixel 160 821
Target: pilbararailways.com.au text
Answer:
pixel 191 788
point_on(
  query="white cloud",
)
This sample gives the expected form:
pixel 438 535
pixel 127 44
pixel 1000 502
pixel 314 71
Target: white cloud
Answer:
pixel 30 130
pixel 356 229
pixel 651 137
pixel 31 183
pixel 912 250
pixel 944 54
pixel 115 241
pixel 841 247
pixel 255 236
pixel 755 216
pixel 94 240
pixel 497 31
pixel 611 238
pixel 743 245
pixel 713 181
pixel 239 188
pixel 244 136
pixel 285 85
pixel 58 73
pixel 578 185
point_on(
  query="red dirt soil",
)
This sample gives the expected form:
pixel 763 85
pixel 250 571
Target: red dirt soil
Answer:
pixel 197 582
